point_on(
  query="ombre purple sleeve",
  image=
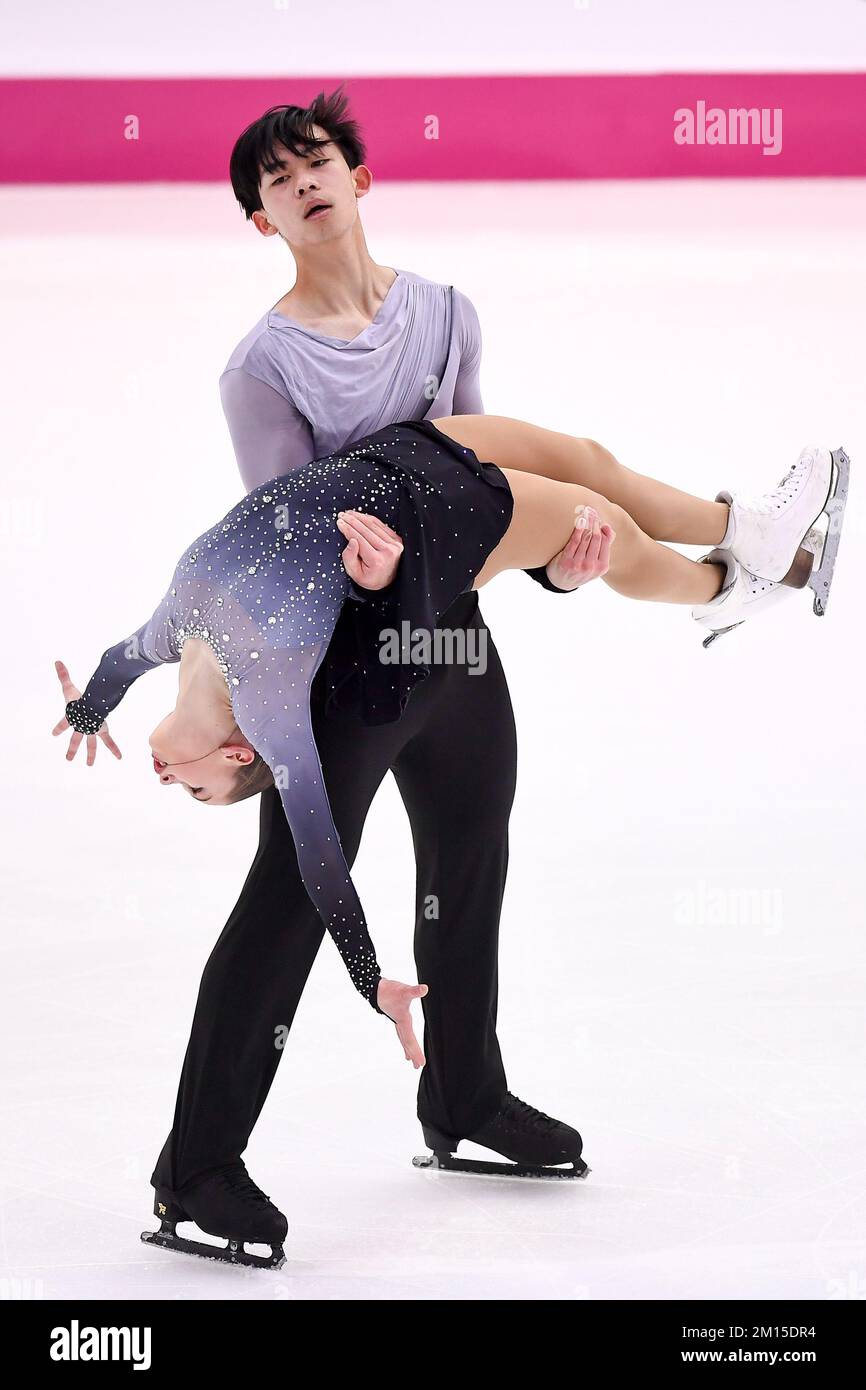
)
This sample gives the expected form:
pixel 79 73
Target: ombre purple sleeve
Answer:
pixel 272 708
pixel 149 646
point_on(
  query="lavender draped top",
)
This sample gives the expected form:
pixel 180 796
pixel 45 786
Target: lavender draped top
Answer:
pixel 291 394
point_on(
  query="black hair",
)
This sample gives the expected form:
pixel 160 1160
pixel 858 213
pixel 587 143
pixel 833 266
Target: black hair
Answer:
pixel 291 126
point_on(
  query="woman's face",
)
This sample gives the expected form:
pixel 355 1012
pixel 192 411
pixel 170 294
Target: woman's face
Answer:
pixel 183 759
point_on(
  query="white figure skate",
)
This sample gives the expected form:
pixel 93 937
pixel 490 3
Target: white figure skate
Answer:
pixel 791 535
pixel 742 596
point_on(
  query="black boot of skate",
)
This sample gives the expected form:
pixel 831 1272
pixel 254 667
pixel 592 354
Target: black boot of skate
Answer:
pixel 226 1203
pixel 536 1144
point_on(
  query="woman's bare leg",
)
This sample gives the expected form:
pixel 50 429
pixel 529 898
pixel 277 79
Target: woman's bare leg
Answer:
pixel 662 512
pixel 543 519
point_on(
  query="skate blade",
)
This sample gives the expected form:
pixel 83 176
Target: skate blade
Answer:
pixel 450 1163
pixel 232 1253
pixel 826 542
pixel 719 632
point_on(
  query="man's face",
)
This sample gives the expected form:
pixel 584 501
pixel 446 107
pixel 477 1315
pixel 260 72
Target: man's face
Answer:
pixel 302 183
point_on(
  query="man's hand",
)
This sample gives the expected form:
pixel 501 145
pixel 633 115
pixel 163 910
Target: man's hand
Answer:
pixel 586 554
pixel 373 553
pixel 394 1000
pixel 71 692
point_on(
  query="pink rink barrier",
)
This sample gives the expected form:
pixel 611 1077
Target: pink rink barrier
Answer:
pixel 78 130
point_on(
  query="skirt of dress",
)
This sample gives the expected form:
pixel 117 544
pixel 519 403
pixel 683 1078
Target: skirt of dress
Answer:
pixel 453 510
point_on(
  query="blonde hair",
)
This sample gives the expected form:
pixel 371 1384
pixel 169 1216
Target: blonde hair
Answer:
pixel 251 778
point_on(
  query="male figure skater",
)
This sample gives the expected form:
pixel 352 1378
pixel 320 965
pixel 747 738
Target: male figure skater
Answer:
pixel 354 346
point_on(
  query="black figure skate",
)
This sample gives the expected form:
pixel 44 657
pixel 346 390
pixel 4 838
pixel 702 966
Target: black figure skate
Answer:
pixel 226 1203
pixel 534 1142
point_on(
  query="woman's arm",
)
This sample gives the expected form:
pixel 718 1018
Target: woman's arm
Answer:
pixel 150 645
pixel 272 708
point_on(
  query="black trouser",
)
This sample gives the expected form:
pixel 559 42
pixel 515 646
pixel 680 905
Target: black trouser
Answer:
pixel 454 757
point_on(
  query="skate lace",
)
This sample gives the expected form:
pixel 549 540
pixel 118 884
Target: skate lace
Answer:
pixel 771 501
pixel 241 1185
pixel 527 1115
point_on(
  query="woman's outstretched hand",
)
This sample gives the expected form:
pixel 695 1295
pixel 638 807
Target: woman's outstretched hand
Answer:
pixel 373 551
pixel 394 999
pixel 71 692
pixel 586 554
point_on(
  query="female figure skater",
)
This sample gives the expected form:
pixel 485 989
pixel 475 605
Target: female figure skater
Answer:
pixel 261 591
pixel 254 601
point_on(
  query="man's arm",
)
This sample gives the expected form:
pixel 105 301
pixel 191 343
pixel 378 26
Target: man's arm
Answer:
pixel 269 434
pixel 467 387
pixel 270 437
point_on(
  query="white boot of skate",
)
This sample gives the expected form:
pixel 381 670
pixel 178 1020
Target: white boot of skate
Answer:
pixel 742 596
pixel 778 536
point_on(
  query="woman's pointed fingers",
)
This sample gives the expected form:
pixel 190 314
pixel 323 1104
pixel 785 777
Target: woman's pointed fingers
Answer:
pixel 70 691
pixel 109 741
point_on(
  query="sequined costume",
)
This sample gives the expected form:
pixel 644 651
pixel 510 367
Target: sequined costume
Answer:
pixel 264 588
